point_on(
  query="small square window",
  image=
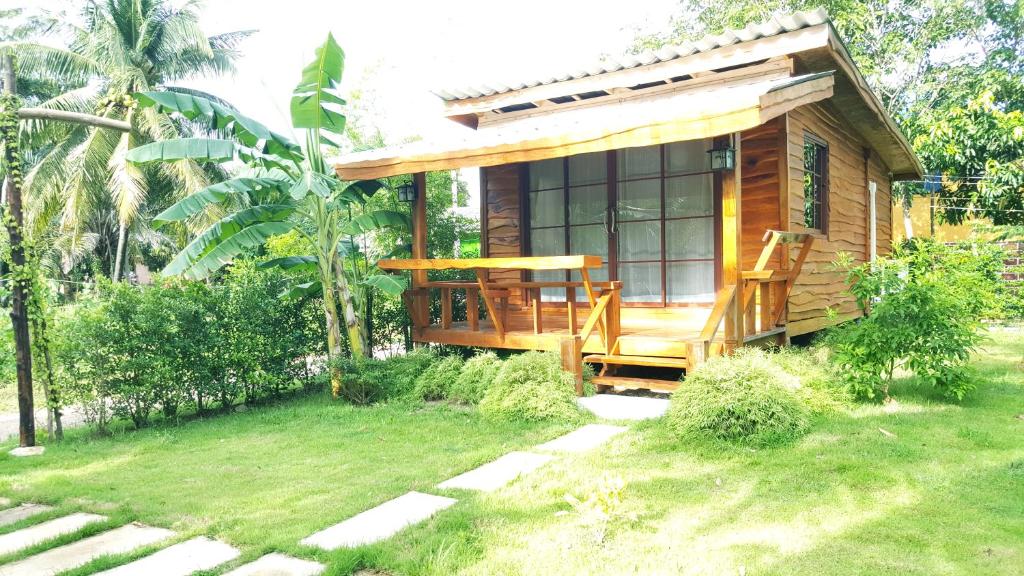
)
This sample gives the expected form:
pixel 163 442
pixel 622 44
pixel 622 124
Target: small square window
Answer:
pixel 815 183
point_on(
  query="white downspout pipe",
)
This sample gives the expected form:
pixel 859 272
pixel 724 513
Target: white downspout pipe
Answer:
pixel 873 219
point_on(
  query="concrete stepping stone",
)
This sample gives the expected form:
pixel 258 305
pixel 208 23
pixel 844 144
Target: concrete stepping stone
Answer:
pixel 617 407
pixel 117 541
pixel 181 559
pixel 494 475
pixel 4 502
pixel 278 565
pixel 19 513
pixel 32 535
pixel 379 523
pixel 580 440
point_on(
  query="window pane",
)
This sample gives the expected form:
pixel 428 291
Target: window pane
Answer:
pixel 690 281
pixel 547 242
pixel 639 162
pixel 640 282
pixel 689 196
pixel 588 168
pixel 690 239
pixel 588 240
pixel 547 208
pixel 547 174
pixel 689 156
pixel 640 241
pixel 640 200
pixel 588 204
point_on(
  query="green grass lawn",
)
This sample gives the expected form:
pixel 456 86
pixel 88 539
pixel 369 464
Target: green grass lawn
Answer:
pixel 941 491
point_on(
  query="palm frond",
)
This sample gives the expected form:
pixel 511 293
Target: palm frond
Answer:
pixel 39 61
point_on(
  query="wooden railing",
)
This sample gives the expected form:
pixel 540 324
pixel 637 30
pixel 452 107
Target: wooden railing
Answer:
pixel 762 290
pixel 604 298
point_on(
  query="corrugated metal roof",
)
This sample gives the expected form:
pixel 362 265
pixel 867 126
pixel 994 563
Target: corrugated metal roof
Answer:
pixel 773 27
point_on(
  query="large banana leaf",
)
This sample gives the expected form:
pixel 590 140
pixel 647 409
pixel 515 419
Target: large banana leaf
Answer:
pixel 314 288
pixel 311 181
pixel 393 285
pixel 223 230
pixel 376 220
pixel 215 194
pixel 249 132
pixel 294 263
pixel 199 149
pixel 316 104
pixel 228 249
pixel 357 192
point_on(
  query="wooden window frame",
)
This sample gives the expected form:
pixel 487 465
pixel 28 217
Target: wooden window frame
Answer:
pixel 612 181
pixel 819 182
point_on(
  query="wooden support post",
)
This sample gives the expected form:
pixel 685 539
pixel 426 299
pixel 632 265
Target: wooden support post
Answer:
pixel 613 321
pixel 419 242
pixel 571 350
pixel 570 302
pixel 749 315
pixel 446 308
pixel 732 248
pixel 473 308
pixel 766 306
pixel 538 316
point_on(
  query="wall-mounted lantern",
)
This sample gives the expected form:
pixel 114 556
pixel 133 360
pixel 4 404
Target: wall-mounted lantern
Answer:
pixel 407 192
pixel 722 159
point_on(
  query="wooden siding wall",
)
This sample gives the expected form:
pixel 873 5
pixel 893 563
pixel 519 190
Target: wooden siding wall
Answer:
pixel 501 204
pixel 759 153
pixel 819 286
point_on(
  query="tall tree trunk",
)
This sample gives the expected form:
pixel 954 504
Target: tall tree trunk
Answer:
pixel 41 338
pixel 334 352
pixel 14 221
pixel 122 237
pixel 354 317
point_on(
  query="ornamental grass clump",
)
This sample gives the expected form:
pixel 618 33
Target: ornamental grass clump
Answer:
pixel 436 381
pixel 476 377
pixel 745 398
pixel 529 387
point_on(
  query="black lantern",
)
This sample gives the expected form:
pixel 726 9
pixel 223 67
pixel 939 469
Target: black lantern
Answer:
pixel 407 192
pixel 722 159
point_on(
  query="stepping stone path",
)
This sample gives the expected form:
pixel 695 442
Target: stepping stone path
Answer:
pixel 182 559
pixel 381 522
pixel 19 513
pixel 278 565
pixel 116 541
pixel 620 407
pixel 33 535
pixel 582 439
pixel 498 473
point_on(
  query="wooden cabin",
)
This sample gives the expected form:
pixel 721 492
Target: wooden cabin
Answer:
pixel 653 210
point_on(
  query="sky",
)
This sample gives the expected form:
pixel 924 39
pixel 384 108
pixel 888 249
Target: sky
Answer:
pixel 398 50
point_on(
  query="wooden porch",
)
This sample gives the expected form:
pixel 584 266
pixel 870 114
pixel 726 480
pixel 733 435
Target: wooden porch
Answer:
pixel 590 323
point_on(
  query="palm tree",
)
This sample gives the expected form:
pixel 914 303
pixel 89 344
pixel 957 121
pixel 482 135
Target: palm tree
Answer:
pixel 81 182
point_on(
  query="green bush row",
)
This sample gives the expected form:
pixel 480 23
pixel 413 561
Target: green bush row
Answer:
pixel 755 396
pixel 127 351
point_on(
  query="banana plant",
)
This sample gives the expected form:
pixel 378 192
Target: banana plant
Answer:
pixel 287 188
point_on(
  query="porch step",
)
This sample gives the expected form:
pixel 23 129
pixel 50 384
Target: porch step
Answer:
pixel 654 361
pixel 636 383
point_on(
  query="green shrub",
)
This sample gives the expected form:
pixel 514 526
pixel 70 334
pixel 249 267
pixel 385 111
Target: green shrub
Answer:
pixel 368 380
pixel 531 386
pixel 817 380
pixel 922 308
pixel 476 377
pixel 745 397
pixel 435 382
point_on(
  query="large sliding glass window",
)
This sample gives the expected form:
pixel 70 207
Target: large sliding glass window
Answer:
pixel 652 218
pixel 568 199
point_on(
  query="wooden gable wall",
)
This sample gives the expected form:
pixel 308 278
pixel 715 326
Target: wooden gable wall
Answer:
pixel 820 286
pixel 759 174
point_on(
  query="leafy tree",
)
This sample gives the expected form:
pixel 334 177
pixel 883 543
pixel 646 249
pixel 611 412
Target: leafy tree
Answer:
pixel 80 181
pixel 978 150
pixel 288 188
